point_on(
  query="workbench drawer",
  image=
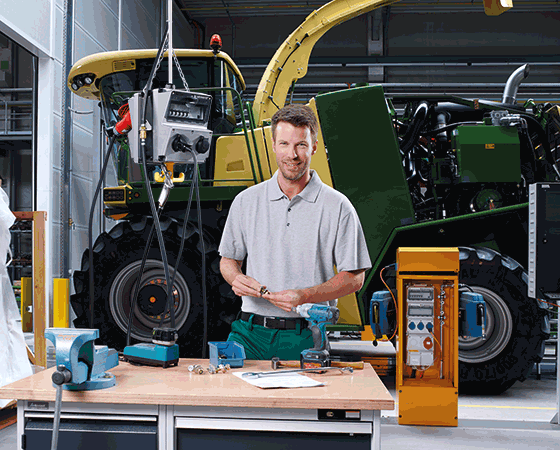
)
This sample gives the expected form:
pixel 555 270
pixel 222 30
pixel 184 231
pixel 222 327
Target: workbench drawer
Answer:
pixel 247 434
pixel 94 435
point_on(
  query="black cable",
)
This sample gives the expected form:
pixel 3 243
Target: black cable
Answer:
pixel 182 246
pixel 158 230
pixel 195 186
pixel 203 249
pixel 90 230
pixel 134 298
pixel 152 75
pixel 142 156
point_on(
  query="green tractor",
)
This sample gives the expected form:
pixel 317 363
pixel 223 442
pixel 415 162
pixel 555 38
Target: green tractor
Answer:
pixel 421 171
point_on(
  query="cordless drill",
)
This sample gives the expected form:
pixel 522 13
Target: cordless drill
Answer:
pixel 318 316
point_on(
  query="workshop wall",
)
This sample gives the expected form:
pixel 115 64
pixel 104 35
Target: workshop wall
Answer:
pixel 260 37
pixel 401 33
pixel 68 180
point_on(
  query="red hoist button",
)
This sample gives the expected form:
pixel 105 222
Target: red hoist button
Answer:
pixel 428 343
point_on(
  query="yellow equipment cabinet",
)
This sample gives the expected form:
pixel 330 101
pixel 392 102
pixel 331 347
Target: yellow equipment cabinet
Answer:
pixel 428 341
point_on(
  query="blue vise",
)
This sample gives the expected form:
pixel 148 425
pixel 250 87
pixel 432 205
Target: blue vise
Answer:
pixel 81 365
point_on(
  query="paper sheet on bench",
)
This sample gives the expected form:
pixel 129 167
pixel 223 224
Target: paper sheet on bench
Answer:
pixel 293 380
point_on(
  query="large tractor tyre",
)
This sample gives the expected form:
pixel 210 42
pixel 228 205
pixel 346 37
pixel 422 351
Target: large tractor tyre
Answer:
pixel 117 258
pixel 516 325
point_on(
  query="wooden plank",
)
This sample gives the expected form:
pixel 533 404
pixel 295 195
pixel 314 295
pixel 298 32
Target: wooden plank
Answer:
pixel 177 386
pixel 30 355
pixel 39 297
pixel 23 215
pixel 27 304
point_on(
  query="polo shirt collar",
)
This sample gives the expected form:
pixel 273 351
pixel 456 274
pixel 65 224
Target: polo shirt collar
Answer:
pixel 309 193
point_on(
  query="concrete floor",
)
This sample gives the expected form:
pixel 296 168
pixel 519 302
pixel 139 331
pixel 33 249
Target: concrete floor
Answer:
pixel 518 419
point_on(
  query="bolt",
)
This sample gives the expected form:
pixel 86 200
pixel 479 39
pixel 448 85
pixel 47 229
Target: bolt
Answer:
pixel 196 368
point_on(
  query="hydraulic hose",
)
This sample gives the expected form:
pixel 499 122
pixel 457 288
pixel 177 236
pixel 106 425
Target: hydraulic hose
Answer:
pixel 90 230
pixel 413 131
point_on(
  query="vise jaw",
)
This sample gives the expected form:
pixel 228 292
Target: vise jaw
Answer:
pixel 86 362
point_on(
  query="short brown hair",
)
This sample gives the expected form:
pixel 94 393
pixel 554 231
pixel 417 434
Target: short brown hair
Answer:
pixel 298 116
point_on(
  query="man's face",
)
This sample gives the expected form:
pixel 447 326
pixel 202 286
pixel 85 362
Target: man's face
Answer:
pixel 293 147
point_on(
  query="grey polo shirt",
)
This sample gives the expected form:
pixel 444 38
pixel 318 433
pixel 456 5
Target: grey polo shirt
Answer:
pixel 292 244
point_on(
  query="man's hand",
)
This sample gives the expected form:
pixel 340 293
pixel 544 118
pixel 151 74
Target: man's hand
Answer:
pixel 245 285
pixel 286 300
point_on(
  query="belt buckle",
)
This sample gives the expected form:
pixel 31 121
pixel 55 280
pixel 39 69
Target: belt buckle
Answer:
pixel 266 319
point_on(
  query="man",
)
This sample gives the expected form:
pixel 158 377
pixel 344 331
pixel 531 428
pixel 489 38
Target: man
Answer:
pixel 293 229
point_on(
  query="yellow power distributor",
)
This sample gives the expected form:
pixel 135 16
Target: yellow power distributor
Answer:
pixel 428 339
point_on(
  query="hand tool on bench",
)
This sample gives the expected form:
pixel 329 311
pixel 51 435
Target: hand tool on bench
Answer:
pixel 276 363
pixel 283 372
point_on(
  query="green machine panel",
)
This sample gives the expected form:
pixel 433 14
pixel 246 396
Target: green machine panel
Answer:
pixel 487 153
pixel 365 161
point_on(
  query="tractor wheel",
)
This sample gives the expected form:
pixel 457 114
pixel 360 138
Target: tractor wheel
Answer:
pixel 117 258
pixel 516 325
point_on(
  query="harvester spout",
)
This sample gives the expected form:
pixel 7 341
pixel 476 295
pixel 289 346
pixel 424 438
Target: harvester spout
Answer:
pixel 512 84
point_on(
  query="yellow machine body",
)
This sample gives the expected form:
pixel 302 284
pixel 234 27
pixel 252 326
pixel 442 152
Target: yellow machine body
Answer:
pixel 428 341
pixel 234 157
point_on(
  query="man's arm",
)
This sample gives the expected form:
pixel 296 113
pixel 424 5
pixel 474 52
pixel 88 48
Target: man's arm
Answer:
pixel 343 283
pixel 240 283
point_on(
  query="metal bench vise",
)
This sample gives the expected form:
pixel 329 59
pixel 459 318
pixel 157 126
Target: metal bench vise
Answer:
pixel 81 365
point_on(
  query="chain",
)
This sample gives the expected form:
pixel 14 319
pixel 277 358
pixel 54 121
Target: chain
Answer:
pixel 158 62
pixel 185 84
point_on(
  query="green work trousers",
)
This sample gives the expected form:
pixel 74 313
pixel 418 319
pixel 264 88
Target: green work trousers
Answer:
pixel 264 343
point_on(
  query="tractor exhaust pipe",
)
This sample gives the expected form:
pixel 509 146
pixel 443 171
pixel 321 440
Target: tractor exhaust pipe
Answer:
pixel 512 84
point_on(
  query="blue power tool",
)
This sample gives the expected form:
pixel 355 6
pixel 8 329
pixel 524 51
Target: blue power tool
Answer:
pixel 319 316
pixel 80 365
pixel 162 352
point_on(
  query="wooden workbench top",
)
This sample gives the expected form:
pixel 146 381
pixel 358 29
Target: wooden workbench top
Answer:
pixel 177 386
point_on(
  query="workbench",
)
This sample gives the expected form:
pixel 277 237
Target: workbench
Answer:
pixel 173 408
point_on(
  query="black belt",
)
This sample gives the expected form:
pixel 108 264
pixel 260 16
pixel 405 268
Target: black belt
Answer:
pixel 278 323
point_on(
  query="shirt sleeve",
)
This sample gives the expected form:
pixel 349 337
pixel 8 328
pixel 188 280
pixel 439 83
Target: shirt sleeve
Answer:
pixel 350 252
pixel 232 244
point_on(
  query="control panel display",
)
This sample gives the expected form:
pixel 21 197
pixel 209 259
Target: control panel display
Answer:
pixel 420 325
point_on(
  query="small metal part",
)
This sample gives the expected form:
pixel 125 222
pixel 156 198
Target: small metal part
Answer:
pixel 196 368
pixel 263 291
pixel 282 372
pixel 274 362
pixel 221 368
